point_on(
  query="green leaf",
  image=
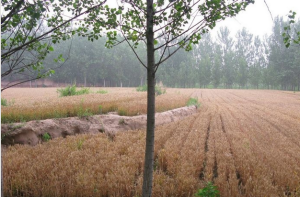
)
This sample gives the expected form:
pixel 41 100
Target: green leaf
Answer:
pixel 51 48
pixel 155 42
pixel 134 37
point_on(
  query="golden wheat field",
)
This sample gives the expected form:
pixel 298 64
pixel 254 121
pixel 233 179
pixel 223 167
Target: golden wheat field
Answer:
pixel 26 104
pixel 247 142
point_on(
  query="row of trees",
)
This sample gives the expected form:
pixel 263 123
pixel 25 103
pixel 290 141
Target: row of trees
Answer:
pixel 92 64
pixel 243 61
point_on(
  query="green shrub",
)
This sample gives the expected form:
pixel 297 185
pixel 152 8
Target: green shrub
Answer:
pixel 158 89
pixel 67 91
pixel 3 102
pixel 122 112
pixel 208 191
pixel 100 109
pixel 83 91
pixel 46 137
pixel 142 88
pixel 102 92
pixel 71 91
pixel 193 101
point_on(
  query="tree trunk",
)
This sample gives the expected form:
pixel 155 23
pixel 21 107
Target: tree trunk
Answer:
pixel 2 190
pixel 142 79
pixel 149 152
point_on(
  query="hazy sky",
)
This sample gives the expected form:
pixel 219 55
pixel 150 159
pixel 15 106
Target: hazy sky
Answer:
pixel 257 18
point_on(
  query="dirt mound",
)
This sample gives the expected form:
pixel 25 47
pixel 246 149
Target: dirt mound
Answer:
pixel 32 132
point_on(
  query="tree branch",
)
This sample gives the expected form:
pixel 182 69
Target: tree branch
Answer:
pixel 57 27
pixel 16 8
pixel 133 50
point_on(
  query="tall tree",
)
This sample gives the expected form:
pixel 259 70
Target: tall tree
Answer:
pixel 280 57
pixel 228 56
pixel 217 65
pixel 259 62
pixel 204 60
pixel 244 53
pixel 28 28
pixel 168 20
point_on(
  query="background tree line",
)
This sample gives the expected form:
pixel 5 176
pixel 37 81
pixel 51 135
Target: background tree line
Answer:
pixel 224 61
pixel 243 61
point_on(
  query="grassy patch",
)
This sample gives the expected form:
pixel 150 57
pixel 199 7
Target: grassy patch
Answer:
pixel 193 101
pixel 72 90
pixel 122 112
pixel 82 112
pixel 102 92
pixel 3 102
pixel 142 88
pixel 46 137
pixel 208 191
pixel 158 89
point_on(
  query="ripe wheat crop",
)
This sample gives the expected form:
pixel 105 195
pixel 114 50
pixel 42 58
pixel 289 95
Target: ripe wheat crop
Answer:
pixel 42 103
pixel 246 142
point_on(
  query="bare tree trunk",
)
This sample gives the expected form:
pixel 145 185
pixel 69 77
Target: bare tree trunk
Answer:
pixel 2 190
pixel 84 79
pixel 149 152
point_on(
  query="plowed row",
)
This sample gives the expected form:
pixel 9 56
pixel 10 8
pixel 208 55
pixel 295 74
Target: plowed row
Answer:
pixel 246 142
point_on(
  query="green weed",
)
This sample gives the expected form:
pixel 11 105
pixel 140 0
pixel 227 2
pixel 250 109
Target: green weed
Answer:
pixel 142 88
pixel 72 90
pixel 102 92
pixel 100 109
pixel 158 89
pixel 83 91
pixel 208 191
pixel 83 113
pixel 80 144
pixel 3 102
pixel 122 112
pixel 46 137
pixel 193 101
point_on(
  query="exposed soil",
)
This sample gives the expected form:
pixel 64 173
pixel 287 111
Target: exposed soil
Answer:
pixel 32 132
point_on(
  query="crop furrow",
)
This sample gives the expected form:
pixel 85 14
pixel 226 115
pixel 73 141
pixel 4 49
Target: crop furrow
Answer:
pixel 202 171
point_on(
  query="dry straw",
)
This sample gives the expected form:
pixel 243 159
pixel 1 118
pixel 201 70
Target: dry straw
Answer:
pixel 237 141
